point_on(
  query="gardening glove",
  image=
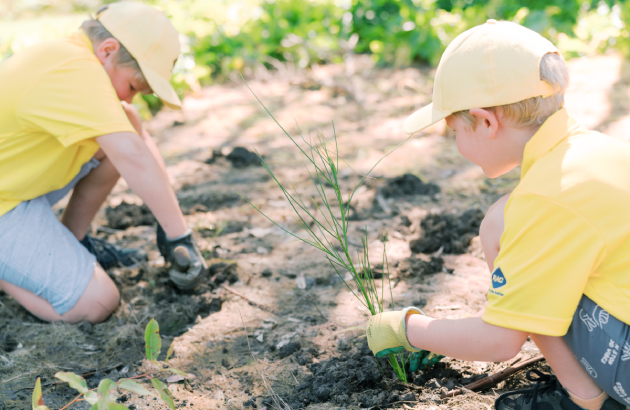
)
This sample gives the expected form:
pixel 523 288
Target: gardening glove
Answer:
pixel 184 256
pixel 387 334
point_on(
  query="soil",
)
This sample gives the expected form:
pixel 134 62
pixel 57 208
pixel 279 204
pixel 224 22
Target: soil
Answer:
pixel 127 215
pixel 449 232
pixel 356 378
pixel 239 157
pixel 407 184
pixel 271 318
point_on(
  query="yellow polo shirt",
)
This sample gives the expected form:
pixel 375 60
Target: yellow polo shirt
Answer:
pixel 55 98
pixel 567 231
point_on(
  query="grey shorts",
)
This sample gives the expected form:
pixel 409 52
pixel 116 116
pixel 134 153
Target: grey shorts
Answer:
pixel 601 343
pixel 40 254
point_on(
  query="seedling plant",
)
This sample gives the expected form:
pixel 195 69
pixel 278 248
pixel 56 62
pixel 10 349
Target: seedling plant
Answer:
pixel 104 396
pixel 329 232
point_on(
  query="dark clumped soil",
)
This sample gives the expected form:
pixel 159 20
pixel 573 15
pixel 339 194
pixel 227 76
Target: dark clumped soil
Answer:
pixel 415 266
pixel 356 377
pixel 239 157
pixel 406 185
pixel 451 232
pixel 208 201
pixel 127 215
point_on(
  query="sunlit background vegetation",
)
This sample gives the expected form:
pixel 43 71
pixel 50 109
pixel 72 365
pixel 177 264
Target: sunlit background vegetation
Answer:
pixel 222 37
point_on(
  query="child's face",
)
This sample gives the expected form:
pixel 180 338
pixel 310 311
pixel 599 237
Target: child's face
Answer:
pixel 123 78
pixel 124 81
pixel 481 145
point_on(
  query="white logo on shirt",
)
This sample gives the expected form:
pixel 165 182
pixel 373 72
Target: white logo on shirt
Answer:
pixel 612 353
pixel 621 392
pixel 589 368
pixel 597 320
pixel 625 355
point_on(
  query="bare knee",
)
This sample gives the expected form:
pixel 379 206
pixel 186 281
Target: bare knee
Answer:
pixel 98 301
pixel 491 230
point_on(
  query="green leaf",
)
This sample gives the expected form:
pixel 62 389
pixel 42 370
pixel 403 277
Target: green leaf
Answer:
pixel 38 399
pixel 165 393
pixel 134 386
pixel 181 373
pixel 169 353
pixel 116 406
pixel 91 397
pixel 74 380
pixel 153 340
pixel 106 393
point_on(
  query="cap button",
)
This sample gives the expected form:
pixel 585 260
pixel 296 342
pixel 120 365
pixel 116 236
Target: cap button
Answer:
pixel 491 21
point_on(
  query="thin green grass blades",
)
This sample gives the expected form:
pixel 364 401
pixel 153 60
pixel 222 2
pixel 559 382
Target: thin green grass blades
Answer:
pixel 327 222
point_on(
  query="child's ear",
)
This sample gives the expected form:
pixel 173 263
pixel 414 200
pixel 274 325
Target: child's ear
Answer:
pixel 487 121
pixel 107 49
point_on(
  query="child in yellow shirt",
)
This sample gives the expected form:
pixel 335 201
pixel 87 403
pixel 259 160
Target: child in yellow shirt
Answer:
pixel 558 246
pixel 67 123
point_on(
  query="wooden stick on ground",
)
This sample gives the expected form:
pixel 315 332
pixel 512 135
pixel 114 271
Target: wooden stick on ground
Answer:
pixel 490 381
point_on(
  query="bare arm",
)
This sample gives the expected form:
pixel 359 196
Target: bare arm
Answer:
pixel 464 339
pixel 136 122
pixel 137 164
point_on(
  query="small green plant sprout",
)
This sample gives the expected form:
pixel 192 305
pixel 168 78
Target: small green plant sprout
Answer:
pixel 104 396
pixel 328 232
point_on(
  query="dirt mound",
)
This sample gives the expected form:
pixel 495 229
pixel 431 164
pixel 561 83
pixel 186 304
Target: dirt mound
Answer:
pixel 418 267
pixel 127 215
pixel 356 377
pixel 451 232
pixel 239 157
pixel 405 185
pixel 207 201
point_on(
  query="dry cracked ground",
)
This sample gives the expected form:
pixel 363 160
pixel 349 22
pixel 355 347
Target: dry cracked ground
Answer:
pixel 272 324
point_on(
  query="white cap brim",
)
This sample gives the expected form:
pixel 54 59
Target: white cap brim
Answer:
pixel 161 86
pixel 423 118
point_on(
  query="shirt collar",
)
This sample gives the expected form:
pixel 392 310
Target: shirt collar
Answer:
pixel 555 129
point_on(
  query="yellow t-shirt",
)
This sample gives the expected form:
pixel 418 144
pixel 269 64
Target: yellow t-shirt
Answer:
pixel 567 231
pixel 56 98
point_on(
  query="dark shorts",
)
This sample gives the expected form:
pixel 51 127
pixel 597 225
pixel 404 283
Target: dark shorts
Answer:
pixel 601 343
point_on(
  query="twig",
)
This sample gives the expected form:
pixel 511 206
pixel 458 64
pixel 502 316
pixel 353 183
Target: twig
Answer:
pixel 88 373
pixel 7 360
pixel 251 302
pixel 7 308
pixel 490 381
pixel 16 377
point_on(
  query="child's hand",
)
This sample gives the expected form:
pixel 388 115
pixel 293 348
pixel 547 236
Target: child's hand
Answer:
pixel 184 256
pixel 134 116
pixel 386 334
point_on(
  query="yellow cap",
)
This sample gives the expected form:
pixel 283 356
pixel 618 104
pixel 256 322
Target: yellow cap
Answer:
pixel 493 64
pixel 151 39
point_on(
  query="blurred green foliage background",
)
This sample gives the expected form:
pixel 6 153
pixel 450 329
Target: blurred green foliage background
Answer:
pixel 223 36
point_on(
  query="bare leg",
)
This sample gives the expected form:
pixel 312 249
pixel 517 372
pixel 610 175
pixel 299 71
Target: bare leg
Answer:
pixel 97 302
pixel 565 365
pixel 88 196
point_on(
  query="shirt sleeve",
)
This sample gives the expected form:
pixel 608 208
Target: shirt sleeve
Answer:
pixel 548 251
pixel 73 102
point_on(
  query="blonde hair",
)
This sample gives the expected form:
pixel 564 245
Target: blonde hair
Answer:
pixel 97 33
pixel 534 111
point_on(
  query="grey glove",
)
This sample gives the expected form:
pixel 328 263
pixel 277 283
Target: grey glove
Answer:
pixel 184 256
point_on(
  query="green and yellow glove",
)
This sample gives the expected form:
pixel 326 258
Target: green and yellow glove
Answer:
pixel 387 334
